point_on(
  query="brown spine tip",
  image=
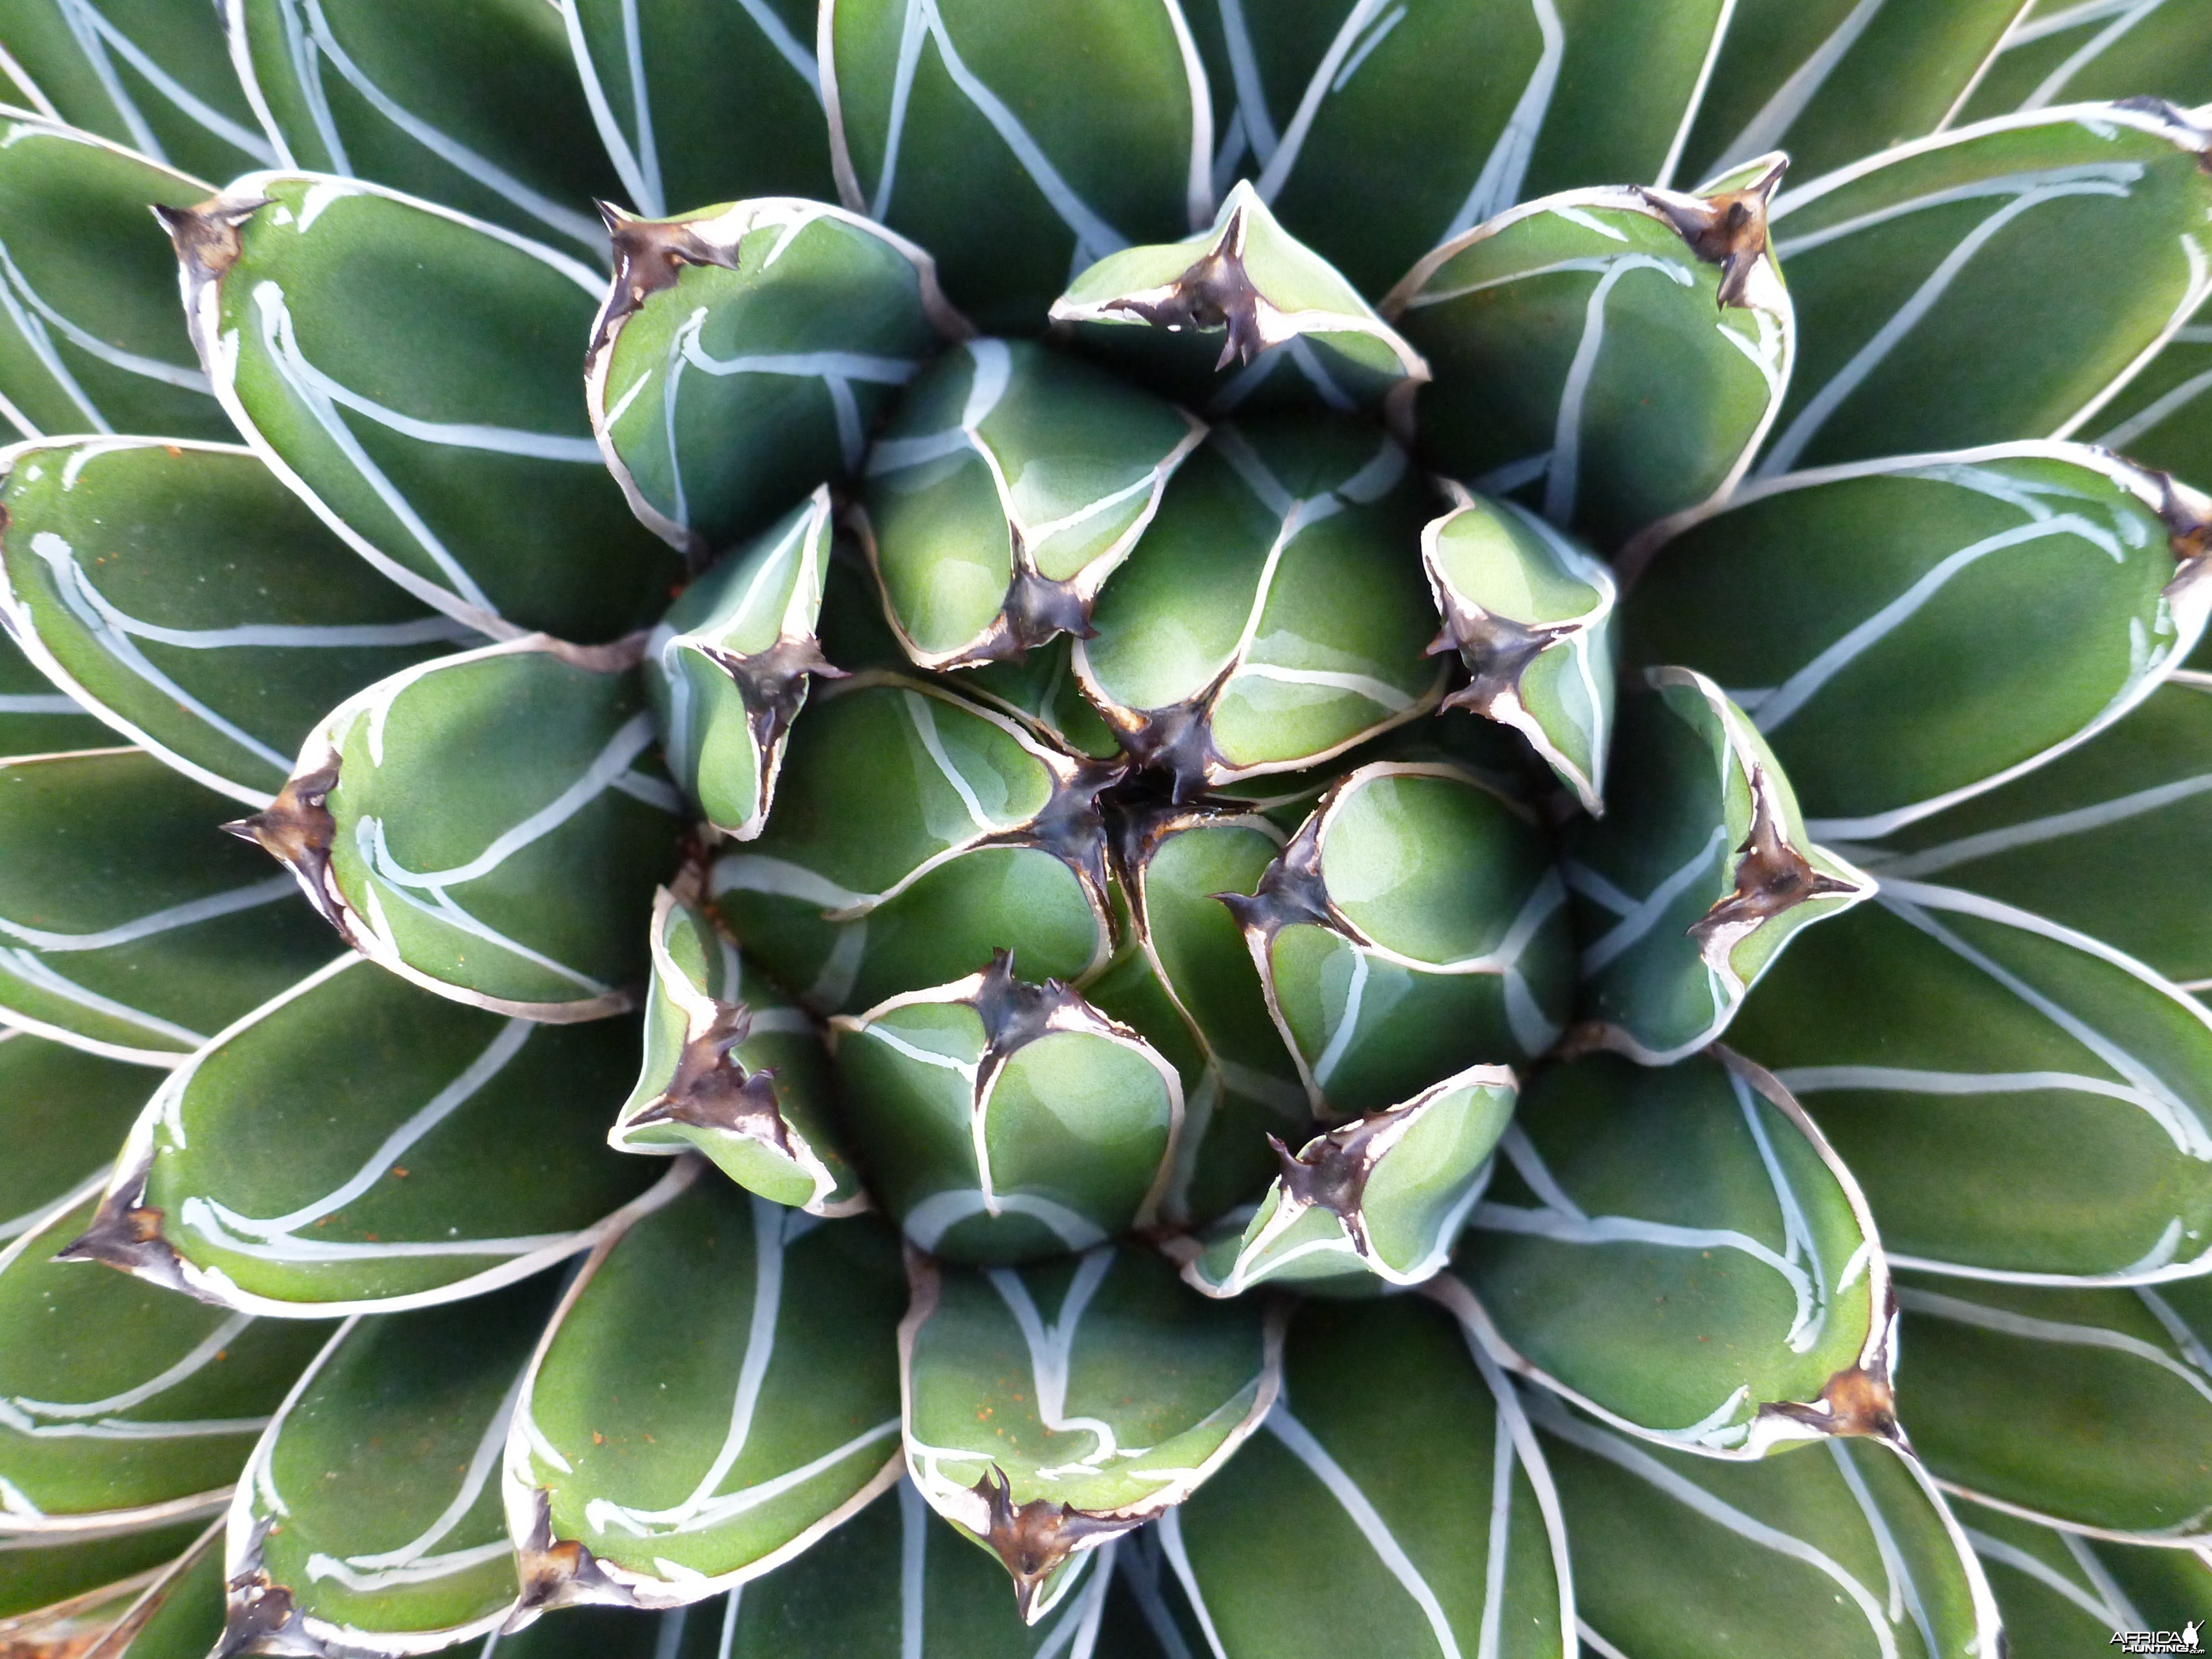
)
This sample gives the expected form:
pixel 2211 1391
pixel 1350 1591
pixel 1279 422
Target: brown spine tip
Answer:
pixel 1854 1403
pixel 259 1617
pixel 1177 740
pixel 1771 877
pixel 2187 516
pixel 1292 890
pixel 128 1237
pixel 1215 292
pixel 1034 1540
pixel 650 255
pixel 206 236
pixel 1728 229
pixel 1496 651
pixel 712 1089
pixel 773 682
pixel 298 830
pixel 1331 1172
pixel 554 1574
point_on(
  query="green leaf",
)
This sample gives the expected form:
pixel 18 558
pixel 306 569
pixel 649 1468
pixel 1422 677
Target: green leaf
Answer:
pixel 957 124
pixel 1382 1197
pixel 195 603
pixel 1042 1436
pixel 2066 1405
pixel 489 826
pixel 1699 877
pixel 698 100
pixel 1006 1121
pixel 1611 355
pixel 734 1070
pixel 179 1616
pixel 156 77
pixel 91 341
pixel 801 321
pixel 1273 615
pixel 1918 273
pixel 367 1518
pixel 128 927
pixel 595 1633
pixel 1301 331
pixel 2019 1100
pixel 433 1151
pixel 475 105
pixel 1835 1553
pixel 1397 1503
pixel 37 717
pixel 2059 54
pixel 82 1579
pixel 411 372
pixel 125 1404
pixel 1678 1251
pixel 1040 688
pixel 2104 840
pixel 2062 1593
pixel 61 1110
pixel 987 533
pixel 2163 417
pixel 1933 627
pixel 915 833
pixel 1530 613
pixel 1831 80
pixel 719 1391
pixel 1463 108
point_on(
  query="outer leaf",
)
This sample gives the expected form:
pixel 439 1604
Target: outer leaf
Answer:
pixel 1916 273
pixel 61 1109
pixel 125 1405
pixel 128 926
pixel 2021 1102
pixel 1412 927
pixel 90 340
pixel 2059 52
pixel 2065 1593
pixel 153 76
pixel 656 1460
pixel 1426 1526
pixel 987 537
pixel 1462 110
pixel 2067 1406
pixel 734 1070
pixel 1273 616
pixel 194 602
pixel 1932 627
pixel 696 101
pixel 411 372
pixel 1045 1440
pixel 54 1586
pixel 1679 1252
pixel 1831 80
pixel 595 1633
pixel 179 1616
pixel 746 353
pixel 35 718
pixel 2163 417
pixel 948 122
pixel 1844 1551
pixel 442 1151
pixel 1530 613
pixel 368 1519
pixel 489 826
pixel 477 106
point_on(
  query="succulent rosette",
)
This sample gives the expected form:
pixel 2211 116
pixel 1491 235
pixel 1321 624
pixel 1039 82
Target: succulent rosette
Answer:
pixel 1151 828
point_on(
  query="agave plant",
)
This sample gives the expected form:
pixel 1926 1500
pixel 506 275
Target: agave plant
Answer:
pixel 1151 828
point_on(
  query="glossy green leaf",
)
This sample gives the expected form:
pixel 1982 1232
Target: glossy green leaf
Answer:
pixel 179 1616
pixel 1397 1503
pixel 2070 1406
pixel 129 924
pixel 1530 613
pixel 698 100
pixel 734 1070
pixel 490 826
pixel 1378 133
pixel 2104 840
pixel 1930 627
pixel 719 1391
pixel 148 74
pixel 1917 274
pixel 1830 81
pixel 80 1580
pixel 36 716
pixel 196 602
pixel 2062 1593
pixel 1301 331
pixel 1412 927
pixel 1042 688
pixel 411 372
pixel 2019 1100
pixel 2163 417
pixel 367 1519
pixel 744 354
pixel 1841 1551
pixel 124 1403
pixel 1698 876
pixel 356 1145
pixel 1273 615
pixel 63 1112
pixel 955 122
pixel 90 340
pixel 1677 1250
pixel 1382 1197
pixel 915 834
pixel 1009 484
pixel 1043 1435
pixel 477 106
pixel 2061 51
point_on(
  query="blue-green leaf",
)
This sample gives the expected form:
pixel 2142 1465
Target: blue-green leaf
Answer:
pixel 63 1112
pixel 37 717
pixel 2163 417
pixel 2061 51
pixel 179 1616
pixel 61 1586
pixel 2063 1594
